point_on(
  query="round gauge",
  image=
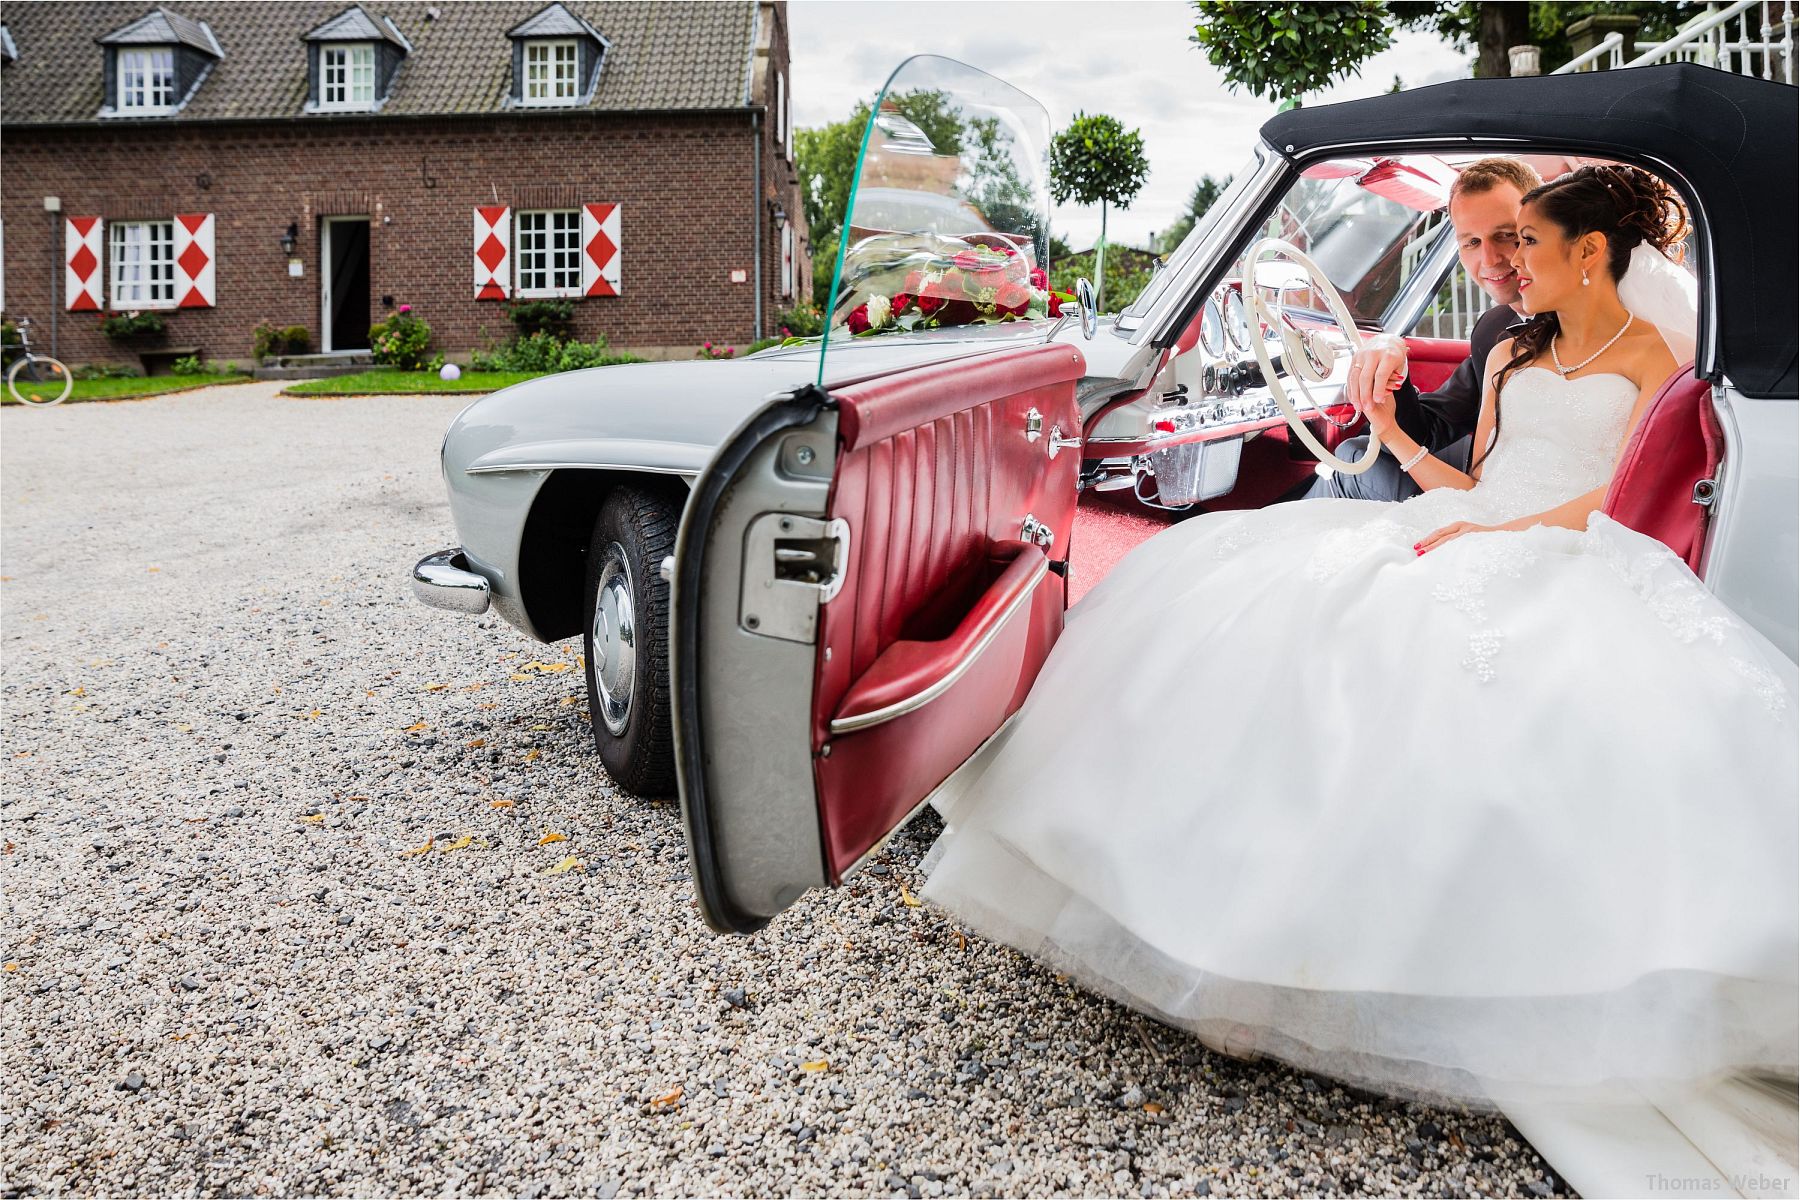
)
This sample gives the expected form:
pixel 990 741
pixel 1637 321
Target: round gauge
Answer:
pixel 1212 329
pixel 1237 325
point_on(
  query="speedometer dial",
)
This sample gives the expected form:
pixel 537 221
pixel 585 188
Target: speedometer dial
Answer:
pixel 1237 325
pixel 1212 329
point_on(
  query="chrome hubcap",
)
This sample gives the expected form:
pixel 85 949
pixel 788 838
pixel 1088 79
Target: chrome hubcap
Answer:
pixel 615 640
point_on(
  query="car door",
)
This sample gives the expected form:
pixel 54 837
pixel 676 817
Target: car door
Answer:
pixel 866 583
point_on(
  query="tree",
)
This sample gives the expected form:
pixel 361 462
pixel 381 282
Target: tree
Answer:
pixel 1096 160
pixel 1282 50
pixel 1206 192
pixel 825 159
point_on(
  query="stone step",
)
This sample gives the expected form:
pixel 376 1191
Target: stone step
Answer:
pixel 318 371
pixel 359 359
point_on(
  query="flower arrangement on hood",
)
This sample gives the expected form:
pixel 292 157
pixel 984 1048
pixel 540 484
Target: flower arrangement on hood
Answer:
pixel 931 282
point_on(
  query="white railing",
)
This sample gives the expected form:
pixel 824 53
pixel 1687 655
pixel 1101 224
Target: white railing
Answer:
pixel 1749 37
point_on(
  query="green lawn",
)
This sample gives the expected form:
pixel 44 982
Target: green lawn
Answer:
pixel 133 386
pixel 389 382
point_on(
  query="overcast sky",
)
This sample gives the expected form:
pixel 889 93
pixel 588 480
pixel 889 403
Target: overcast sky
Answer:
pixel 1129 58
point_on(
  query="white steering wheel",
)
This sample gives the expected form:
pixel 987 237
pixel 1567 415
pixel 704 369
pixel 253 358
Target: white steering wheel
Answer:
pixel 1307 357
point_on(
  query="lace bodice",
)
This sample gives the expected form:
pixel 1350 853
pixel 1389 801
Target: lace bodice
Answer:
pixel 1558 439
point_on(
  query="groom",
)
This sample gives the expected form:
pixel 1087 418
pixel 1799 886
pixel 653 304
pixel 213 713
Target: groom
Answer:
pixel 1484 212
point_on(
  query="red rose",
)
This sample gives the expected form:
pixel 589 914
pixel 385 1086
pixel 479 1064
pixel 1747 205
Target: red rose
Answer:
pixel 858 320
pixel 1009 252
pixel 930 304
pixel 902 302
pixel 1039 279
pixel 956 312
pixel 914 281
pixel 1055 305
pixel 1012 297
pixel 968 260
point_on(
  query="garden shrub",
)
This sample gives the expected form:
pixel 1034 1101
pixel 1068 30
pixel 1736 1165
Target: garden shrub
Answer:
pixel 555 317
pixel 401 341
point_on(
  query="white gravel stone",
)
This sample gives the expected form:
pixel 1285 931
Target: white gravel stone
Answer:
pixel 209 638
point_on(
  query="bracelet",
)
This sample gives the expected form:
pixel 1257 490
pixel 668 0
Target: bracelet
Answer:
pixel 1412 462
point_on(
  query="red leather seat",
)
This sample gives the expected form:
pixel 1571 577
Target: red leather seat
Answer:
pixel 1677 443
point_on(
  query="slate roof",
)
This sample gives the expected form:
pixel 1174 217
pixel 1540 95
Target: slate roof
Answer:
pixel 354 24
pixel 554 21
pixel 160 27
pixel 662 57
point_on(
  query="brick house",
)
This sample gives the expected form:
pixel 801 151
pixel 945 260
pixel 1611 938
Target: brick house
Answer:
pixel 318 164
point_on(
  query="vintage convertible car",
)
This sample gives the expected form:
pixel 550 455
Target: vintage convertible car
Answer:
pixel 813 582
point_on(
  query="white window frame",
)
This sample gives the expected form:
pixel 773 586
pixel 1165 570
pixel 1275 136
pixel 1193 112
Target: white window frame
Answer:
pixel 547 252
pixel 543 63
pixel 140 91
pixel 141 264
pixel 780 110
pixel 348 67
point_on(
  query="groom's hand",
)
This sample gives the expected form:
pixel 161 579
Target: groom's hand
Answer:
pixel 1377 369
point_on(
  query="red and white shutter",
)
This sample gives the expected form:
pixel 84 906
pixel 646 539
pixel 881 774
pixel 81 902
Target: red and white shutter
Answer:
pixel 600 250
pixel 493 252
pixel 194 260
pixel 84 254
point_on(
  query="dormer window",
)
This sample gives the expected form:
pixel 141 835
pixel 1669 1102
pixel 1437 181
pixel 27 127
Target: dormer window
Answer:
pixel 550 72
pixel 352 60
pixel 157 62
pixel 556 59
pixel 347 77
pixel 147 81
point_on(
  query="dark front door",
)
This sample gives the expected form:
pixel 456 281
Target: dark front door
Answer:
pixel 346 318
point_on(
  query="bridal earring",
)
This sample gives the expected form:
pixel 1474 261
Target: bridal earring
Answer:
pixel 1584 279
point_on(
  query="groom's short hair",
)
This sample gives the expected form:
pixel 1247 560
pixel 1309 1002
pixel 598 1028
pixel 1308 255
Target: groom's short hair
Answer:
pixel 1485 174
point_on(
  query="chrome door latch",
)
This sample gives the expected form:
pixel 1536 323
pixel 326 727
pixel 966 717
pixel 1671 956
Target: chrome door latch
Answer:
pixel 1059 442
pixel 792 566
pixel 1036 532
pixel 1034 424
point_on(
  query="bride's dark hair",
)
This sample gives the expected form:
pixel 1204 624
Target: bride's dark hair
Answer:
pixel 1629 206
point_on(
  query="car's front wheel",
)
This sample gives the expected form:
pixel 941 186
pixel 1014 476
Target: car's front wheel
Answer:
pixel 625 634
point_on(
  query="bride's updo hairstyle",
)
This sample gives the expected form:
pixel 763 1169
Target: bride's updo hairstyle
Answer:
pixel 1630 207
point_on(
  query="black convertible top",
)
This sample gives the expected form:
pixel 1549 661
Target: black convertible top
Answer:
pixel 1730 138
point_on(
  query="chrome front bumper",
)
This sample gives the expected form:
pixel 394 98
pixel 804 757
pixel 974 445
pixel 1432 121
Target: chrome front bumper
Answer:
pixel 443 580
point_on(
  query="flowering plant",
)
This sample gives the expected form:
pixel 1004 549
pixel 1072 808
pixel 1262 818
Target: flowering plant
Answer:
pixel 926 281
pixel 401 340
pixel 711 351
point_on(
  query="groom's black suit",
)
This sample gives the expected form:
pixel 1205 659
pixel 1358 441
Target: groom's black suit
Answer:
pixel 1442 421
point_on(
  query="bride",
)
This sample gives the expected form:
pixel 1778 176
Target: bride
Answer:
pixel 1477 796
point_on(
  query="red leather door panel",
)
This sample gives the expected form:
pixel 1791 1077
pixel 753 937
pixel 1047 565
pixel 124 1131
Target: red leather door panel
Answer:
pixel 935 477
pixel 1431 361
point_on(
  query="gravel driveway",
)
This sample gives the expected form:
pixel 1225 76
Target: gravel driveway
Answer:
pixel 229 967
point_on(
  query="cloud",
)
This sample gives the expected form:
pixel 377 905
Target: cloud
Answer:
pixel 1129 58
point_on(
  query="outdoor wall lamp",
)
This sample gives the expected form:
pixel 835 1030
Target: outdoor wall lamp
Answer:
pixel 290 239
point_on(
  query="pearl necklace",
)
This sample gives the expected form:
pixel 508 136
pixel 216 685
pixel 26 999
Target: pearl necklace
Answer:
pixel 1568 371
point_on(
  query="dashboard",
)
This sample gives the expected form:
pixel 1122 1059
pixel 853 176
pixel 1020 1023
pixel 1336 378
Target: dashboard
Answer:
pixel 1208 399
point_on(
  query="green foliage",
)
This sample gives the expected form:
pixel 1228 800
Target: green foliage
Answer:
pixel 269 340
pixel 802 321
pixel 386 381
pixel 1128 273
pixel 826 159
pixel 188 364
pixel 401 341
pixel 133 326
pixel 545 353
pixel 1284 50
pixel 105 371
pixel 1206 194
pixel 543 316
pixel 1288 48
pixel 762 344
pixel 1096 160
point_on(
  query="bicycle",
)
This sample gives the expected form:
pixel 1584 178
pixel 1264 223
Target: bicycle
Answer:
pixel 37 379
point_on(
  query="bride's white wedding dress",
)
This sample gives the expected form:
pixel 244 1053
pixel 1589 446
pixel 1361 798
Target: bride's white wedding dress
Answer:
pixel 1516 817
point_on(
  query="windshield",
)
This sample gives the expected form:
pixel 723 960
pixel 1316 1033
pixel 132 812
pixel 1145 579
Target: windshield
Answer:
pixel 1190 245
pixel 949 215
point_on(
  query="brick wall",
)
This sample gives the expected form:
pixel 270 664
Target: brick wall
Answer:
pixel 684 180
